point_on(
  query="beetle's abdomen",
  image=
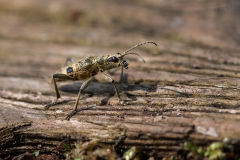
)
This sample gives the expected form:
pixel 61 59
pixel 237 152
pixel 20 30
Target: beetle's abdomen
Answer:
pixel 80 70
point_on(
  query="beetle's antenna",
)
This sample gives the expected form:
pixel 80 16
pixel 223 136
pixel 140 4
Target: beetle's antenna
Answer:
pixel 135 54
pixel 128 51
pixel 138 46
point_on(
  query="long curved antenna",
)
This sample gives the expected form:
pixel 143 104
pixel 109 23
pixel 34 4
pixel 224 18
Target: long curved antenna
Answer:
pixel 124 53
pixel 135 54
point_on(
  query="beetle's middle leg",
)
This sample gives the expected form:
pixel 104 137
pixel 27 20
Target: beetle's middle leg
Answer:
pixel 83 86
pixel 112 81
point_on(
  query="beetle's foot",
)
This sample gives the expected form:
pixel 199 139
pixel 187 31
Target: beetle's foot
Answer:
pixel 50 104
pixel 70 115
pixel 126 87
pixel 123 102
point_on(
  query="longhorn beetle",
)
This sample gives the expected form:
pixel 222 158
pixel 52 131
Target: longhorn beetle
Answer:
pixel 87 68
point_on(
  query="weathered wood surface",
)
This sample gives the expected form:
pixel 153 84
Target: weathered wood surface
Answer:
pixel 188 89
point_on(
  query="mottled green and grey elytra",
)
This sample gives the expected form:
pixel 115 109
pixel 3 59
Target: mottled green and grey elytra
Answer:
pixel 87 68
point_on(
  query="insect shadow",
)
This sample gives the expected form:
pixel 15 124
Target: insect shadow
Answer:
pixel 106 89
pixel 95 88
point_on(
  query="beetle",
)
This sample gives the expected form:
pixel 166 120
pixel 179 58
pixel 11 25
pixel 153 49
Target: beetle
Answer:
pixel 87 68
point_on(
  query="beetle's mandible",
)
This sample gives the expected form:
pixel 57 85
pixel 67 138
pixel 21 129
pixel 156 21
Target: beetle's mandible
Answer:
pixel 87 68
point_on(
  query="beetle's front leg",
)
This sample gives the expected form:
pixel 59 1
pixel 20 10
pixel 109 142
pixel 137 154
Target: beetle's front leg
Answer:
pixel 112 81
pixel 83 86
pixel 60 76
pixel 121 80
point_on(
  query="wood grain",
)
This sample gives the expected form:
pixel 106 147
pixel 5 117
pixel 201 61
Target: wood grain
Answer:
pixel 186 91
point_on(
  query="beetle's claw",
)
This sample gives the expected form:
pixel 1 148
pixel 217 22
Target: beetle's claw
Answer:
pixel 50 104
pixel 125 87
pixel 123 102
pixel 70 115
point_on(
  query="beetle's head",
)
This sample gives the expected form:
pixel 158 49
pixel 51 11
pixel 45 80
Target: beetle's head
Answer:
pixel 118 60
pixel 114 61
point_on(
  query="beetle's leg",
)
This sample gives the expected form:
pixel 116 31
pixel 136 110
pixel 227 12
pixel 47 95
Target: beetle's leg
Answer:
pixel 57 95
pixel 121 80
pixel 59 76
pixel 112 81
pixel 83 86
pixel 69 59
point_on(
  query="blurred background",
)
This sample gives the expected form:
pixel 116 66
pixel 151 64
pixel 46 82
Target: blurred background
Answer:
pixel 104 22
pixel 52 30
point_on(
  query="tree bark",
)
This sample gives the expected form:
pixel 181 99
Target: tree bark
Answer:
pixel 186 90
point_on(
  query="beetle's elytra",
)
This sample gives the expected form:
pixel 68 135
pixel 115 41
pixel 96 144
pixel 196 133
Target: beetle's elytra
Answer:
pixel 87 68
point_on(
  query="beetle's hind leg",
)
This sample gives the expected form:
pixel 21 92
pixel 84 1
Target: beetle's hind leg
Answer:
pixel 69 59
pixel 57 94
pixel 59 76
pixel 83 86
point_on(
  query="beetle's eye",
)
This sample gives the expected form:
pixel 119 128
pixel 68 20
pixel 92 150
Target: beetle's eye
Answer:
pixel 69 69
pixel 113 59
